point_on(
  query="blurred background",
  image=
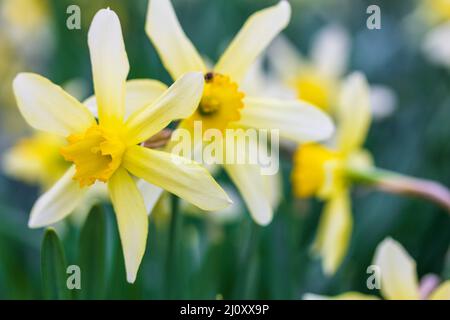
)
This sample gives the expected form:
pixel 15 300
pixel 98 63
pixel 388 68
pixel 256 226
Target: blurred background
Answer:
pixel 225 255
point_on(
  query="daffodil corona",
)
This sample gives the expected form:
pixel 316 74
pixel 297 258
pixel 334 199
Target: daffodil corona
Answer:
pixel 224 104
pixel 107 150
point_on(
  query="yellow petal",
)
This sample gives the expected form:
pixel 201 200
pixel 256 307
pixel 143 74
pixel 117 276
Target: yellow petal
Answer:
pixel 344 296
pixel 139 94
pixel 442 292
pixel 174 48
pixel 296 120
pixel 285 59
pixel 334 232
pixel 109 65
pixel 132 220
pixel 254 37
pixel 354 112
pixel 180 176
pixel 58 202
pixel 252 187
pixel 398 271
pixel 178 102
pixel 46 106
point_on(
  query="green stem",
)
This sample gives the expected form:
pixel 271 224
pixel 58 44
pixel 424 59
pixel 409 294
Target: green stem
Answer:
pixel 400 184
pixel 172 271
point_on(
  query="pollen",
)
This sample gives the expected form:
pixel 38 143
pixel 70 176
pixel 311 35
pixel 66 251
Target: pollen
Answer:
pixel 314 170
pixel 96 154
pixel 220 104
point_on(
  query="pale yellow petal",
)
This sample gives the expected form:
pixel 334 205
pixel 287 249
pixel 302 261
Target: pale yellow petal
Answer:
pixel 180 176
pixel 330 51
pixel 178 102
pixel 398 271
pixel 139 94
pixel 132 220
pixel 251 185
pixel 333 235
pixel 254 37
pixel 285 59
pixel 344 296
pixel 442 292
pixel 58 202
pixel 109 66
pixel 353 113
pixel 174 48
pixel 150 194
pixel 46 106
pixel 296 120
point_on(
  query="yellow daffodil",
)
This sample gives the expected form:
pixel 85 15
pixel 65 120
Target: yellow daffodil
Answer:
pixel 224 103
pixel 317 78
pixel 398 277
pixel 322 171
pixel 108 150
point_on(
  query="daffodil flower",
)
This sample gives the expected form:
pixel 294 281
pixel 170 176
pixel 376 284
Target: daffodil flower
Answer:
pixel 224 104
pixel 398 277
pixel 317 78
pixel 108 150
pixel 328 172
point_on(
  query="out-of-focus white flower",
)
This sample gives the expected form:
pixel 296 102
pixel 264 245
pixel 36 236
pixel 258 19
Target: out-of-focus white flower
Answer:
pixel 436 45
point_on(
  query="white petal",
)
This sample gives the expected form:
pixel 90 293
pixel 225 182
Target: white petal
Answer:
pixel 174 48
pixel 109 65
pixel 150 194
pixel 58 202
pixel 330 51
pixel 398 271
pixel 254 37
pixel 251 185
pixel 383 101
pixel 296 120
pixel 436 45
pixel 46 106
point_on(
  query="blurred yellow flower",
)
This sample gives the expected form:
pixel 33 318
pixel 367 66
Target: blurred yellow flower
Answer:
pixel 36 160
pixel 398 277
pixel 107 150
pixel 225 104
pixel 322 171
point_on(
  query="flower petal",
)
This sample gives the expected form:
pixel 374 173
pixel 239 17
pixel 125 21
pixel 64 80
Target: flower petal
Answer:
pixel 353 113
pixel 442 292
pixel 139 94
pixel 150 194
pixel 343 296
pixel 174 48
pixel 109 65
pixel 334 231
pixel 178 102
pixel 398 271
pixel 252 186
pixel 254 37
pixel 285 60
pixel 295 119
pixel 330 51
pixel 58 202
pixel 47 107
pixel 180 176
pixel 132 220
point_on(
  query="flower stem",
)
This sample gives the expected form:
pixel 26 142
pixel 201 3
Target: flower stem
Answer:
pixel 399 184
pixel 173 250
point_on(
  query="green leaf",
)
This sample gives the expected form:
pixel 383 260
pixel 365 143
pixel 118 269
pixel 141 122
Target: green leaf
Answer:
pixel 53 267
pixel 93 255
